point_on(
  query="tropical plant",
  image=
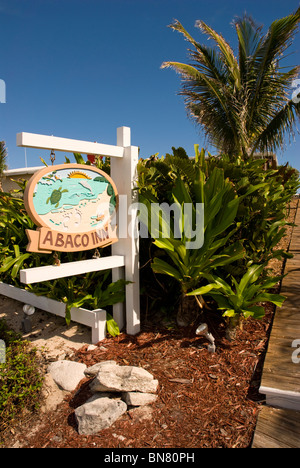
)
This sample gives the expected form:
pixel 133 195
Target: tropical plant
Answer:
pixel 258 224
pixel 240 300
pixel 13 240
pixel 262 213
pixel 242 103
pixel 217 196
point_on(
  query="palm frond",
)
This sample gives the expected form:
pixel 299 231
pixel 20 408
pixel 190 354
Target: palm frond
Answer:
pixel 249 37
pixel 183 69
pixel 243 103
pixel 226 52
pixel 206 59
pixel 273 136
pixel 278 38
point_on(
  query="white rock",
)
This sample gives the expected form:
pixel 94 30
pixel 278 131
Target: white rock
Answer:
pixel 114 378
pixel 52 395
pixel 138 399
pixel 91 347
pixel 96 368
pixel 119 437
pixel 67 374
pixel 98 413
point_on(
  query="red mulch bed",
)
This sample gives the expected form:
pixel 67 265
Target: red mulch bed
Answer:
pixel 205 400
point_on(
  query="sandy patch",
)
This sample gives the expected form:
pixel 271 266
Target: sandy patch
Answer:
pixel 89 214
pixel 50 334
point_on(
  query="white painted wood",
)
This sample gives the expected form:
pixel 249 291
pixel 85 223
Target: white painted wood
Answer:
pixel 124 137
pixel 50 272
pixel 281 398
pixel 124 174
pixel 126 250
pixel 119 309
pixel 99 327
pixel 22 171
pixel 95 319
pixel 32 140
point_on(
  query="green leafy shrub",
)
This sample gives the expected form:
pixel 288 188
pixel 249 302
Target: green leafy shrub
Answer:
pixel 262 212
pixel 242 300
pixel 20 378
pixel 13 240
pixel 245 210
pixel 93 290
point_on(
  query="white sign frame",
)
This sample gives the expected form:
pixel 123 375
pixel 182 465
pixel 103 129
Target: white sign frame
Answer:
pixel 124 261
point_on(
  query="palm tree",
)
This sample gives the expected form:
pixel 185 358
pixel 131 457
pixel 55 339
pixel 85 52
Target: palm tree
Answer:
pixel 244 104
pixel 3 159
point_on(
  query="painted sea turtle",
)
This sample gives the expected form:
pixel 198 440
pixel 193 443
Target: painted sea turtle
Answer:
pixel 56 196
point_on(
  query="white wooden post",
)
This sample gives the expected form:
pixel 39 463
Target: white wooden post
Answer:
pixel 124 174
pixel 124 159
pixel 32 140
pixel 99 326
pixel 51 272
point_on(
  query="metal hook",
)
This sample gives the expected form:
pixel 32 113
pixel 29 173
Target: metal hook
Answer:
pixel 56 259
pixel 52 157
pixel 96 254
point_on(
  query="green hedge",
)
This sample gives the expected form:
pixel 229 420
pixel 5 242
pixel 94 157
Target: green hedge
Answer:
pixel 20 377
pixel 245 212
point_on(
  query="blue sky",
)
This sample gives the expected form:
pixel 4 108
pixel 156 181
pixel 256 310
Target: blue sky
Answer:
pixel 81 68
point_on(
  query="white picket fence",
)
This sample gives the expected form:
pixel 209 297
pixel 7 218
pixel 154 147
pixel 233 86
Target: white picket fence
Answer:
pixel 124 261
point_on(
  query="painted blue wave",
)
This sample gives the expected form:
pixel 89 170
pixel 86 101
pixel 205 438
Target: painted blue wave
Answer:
pixel 77 191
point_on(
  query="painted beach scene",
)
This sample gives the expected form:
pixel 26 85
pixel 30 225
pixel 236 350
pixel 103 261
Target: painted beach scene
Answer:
pixel 74 200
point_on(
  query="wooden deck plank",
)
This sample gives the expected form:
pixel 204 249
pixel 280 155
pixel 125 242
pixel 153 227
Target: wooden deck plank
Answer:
pixel 278 360
pixel 277 428
pixel 269 385
pixel 292 300
pixel 291 287
pixel 287 333
pixel 281 376
pixel 278 424
pixel 289 312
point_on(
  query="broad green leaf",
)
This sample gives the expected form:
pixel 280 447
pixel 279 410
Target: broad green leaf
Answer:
pixel 68 314
pixel 223 286
pixel 203 290
pixel 112 326
pixel 250 277
pixel 164 244
pixel 160 266
pixel 276 299
pixel 229 313
pixel 18 264
pixel 256 312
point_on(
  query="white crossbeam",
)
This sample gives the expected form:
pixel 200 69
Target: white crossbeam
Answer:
pixel 50 272
pixel 32 140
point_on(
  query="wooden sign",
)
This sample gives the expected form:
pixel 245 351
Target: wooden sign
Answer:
pixel 73 206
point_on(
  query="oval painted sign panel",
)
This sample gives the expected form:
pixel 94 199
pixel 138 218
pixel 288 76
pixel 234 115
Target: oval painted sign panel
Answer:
pixel 73 205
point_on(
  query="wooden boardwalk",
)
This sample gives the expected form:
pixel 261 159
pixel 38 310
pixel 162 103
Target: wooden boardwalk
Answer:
pixel 277 428
pixel 279 422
